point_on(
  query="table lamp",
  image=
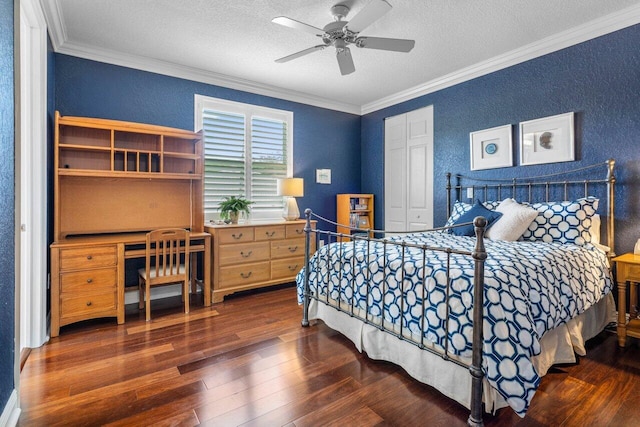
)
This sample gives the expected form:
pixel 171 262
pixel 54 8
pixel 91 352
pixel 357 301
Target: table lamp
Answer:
pixel 290 188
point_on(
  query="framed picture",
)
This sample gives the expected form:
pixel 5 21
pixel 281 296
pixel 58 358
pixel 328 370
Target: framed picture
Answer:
pixel 323 176
pixel 547 140
pixel 363 222
pixel 491 148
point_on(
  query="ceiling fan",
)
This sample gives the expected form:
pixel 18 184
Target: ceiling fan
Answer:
pixel 340 34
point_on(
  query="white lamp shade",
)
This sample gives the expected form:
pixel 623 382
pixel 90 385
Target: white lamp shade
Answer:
pixel 293 187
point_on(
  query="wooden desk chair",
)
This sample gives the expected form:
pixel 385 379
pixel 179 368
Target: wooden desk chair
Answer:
pixel 167 262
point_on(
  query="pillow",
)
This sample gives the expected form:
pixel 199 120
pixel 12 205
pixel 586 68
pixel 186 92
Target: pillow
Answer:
pixel 595 229
pixel 460 208
pixel 477 210
pixel 563 222
pixel 514 221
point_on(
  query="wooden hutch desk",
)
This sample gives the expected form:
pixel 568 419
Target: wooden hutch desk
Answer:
pixel 113 182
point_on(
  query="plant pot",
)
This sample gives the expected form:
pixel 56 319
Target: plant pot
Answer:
pixel 233 216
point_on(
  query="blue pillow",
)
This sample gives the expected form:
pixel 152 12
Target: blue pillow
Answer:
pixel 477 210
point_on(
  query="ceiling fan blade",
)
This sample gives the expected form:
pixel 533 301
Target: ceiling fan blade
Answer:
pixel 297 25
pixel 367 16
pixel 301 53
pixel 345 61
pixel 397 45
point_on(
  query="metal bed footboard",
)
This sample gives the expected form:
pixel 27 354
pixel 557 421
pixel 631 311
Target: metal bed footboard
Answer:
pixel 479 256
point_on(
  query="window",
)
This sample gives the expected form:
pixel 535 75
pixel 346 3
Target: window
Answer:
pixel 246 148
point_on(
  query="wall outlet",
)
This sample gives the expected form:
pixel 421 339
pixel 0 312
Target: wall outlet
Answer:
pixel 321 243
pixel 469 193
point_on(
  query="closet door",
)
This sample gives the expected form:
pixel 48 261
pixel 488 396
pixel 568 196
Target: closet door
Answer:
pixel 395 173
pixel 408 196
pixel 420 169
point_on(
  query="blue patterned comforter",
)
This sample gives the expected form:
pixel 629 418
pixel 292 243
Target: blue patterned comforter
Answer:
pixel 530 288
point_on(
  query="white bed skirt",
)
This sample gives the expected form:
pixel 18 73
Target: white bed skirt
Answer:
pixel 557 346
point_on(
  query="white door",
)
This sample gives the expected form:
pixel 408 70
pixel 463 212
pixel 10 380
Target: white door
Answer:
pixel 395 173
pixel 420 169
pixel 31 192
pixel 408 195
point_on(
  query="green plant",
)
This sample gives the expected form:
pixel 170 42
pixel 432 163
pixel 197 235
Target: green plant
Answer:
pixel 231 207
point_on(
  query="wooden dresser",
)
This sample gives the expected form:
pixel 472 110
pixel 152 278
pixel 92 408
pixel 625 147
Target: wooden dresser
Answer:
pixel 255 255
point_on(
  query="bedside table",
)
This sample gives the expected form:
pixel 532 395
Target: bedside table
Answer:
pixel 627 270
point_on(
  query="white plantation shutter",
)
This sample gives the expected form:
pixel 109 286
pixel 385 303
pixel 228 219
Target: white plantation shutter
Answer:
pixel 268 162
pixel 246 148
pixel 224 157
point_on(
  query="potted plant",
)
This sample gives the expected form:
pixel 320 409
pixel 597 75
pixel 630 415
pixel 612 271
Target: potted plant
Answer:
pixel 231 207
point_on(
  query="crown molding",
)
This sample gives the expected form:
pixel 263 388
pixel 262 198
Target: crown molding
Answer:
pixel 199 75
pixel 596 28
pixel 55 24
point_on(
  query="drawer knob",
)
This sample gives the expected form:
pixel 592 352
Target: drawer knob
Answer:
pixel 89 257
pixel 245 276
pixel 270 233
pixel 246 255
pixel 299 231
pixel 293 248
pixel 237 236
pixel 89 280
pixel 88 303
pixel 293 267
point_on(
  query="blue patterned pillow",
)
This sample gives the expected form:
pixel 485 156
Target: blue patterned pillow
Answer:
pixel 563 222
pixel 460 208
pixel 477 210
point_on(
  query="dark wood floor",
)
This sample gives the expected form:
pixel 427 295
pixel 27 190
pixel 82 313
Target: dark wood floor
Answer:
pixel 247 361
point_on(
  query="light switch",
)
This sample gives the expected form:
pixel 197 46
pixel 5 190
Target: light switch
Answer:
pixel 470 193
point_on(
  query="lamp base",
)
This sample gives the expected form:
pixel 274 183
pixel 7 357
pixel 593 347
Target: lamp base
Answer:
pixel 291 211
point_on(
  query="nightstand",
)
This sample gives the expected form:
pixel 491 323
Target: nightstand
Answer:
pixel 627 270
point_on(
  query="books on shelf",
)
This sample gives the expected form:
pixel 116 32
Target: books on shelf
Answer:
pixel 359 204
pixel 359 221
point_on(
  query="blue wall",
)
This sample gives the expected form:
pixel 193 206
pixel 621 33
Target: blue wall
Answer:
pixel 322 138
pixel 7 212
pixel 599 80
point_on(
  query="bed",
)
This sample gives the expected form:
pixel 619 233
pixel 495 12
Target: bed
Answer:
pixel 538 268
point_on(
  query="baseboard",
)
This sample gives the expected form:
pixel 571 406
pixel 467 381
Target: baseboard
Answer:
pixel 131 297
pixel 11 412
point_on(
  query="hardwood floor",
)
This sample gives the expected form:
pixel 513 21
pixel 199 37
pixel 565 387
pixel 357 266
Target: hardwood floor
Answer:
pixel 248 362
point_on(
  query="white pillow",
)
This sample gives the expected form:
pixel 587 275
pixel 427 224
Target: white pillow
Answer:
pixel 514 221
pixel 595 229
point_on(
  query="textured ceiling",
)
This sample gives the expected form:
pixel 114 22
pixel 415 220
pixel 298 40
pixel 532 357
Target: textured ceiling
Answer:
pixel 234 43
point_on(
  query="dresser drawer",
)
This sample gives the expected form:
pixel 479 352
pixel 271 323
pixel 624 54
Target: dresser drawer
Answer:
pixel 235 235
pixel 286 267
pixel 87 257
pixel 270 232
pixel 87 305
pixel 101 279
pixel 244 274
pixel 287 248
pixel 294 230
pixel 243 253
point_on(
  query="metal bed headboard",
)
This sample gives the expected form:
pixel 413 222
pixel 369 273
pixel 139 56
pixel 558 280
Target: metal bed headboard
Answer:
pixel 542 188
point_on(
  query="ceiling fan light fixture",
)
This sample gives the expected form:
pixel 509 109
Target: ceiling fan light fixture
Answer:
pixel 339 11
pixel 340 34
